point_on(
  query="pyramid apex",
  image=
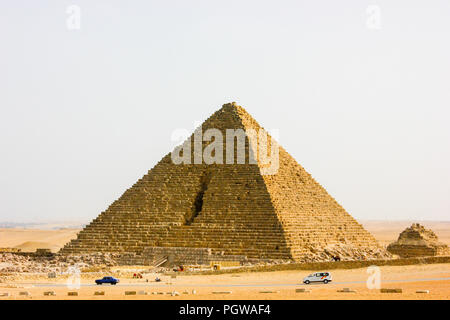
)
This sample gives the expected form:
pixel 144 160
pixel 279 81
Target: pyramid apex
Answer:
pixel 230 105
pixel 233 107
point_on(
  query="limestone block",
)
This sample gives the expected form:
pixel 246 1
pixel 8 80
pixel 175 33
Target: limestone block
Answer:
pixel 391 290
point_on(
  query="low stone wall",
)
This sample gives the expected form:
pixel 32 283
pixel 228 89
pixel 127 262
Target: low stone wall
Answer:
pixel 48 255
pixel 9 250
pixel 179 255
pixel 176 256
pixel 133 259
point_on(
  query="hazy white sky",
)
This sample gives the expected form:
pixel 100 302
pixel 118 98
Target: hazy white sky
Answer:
pixel 85 113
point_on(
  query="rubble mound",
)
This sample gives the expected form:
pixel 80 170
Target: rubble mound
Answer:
pixel 16 263
pixel 417 241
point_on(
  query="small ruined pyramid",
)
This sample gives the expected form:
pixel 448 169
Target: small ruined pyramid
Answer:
pixel 417 241
pixel 232 209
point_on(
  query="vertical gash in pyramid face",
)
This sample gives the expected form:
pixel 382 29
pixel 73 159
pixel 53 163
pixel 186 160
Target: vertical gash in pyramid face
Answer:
pixel 259 204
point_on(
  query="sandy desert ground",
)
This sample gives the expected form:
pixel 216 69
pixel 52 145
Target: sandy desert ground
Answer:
pixel 387 231
pixel 258 285
pixel 254 285
pixel 28 240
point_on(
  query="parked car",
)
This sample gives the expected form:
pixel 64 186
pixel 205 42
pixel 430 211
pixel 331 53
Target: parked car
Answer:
pixel 110 280
pixel 324 277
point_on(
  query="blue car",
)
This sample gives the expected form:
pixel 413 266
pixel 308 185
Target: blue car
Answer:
pixel 110 280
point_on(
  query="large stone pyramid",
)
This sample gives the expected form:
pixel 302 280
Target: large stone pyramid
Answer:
pixel 233 209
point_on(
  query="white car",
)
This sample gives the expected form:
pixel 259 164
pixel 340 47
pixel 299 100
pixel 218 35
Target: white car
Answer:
pixel 324 277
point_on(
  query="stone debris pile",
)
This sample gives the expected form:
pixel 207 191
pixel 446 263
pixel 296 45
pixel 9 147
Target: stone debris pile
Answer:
pixel 15 263
pixel 345 253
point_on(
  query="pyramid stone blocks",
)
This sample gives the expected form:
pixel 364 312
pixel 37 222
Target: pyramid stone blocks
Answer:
pixel 231 209
pixel 417 241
